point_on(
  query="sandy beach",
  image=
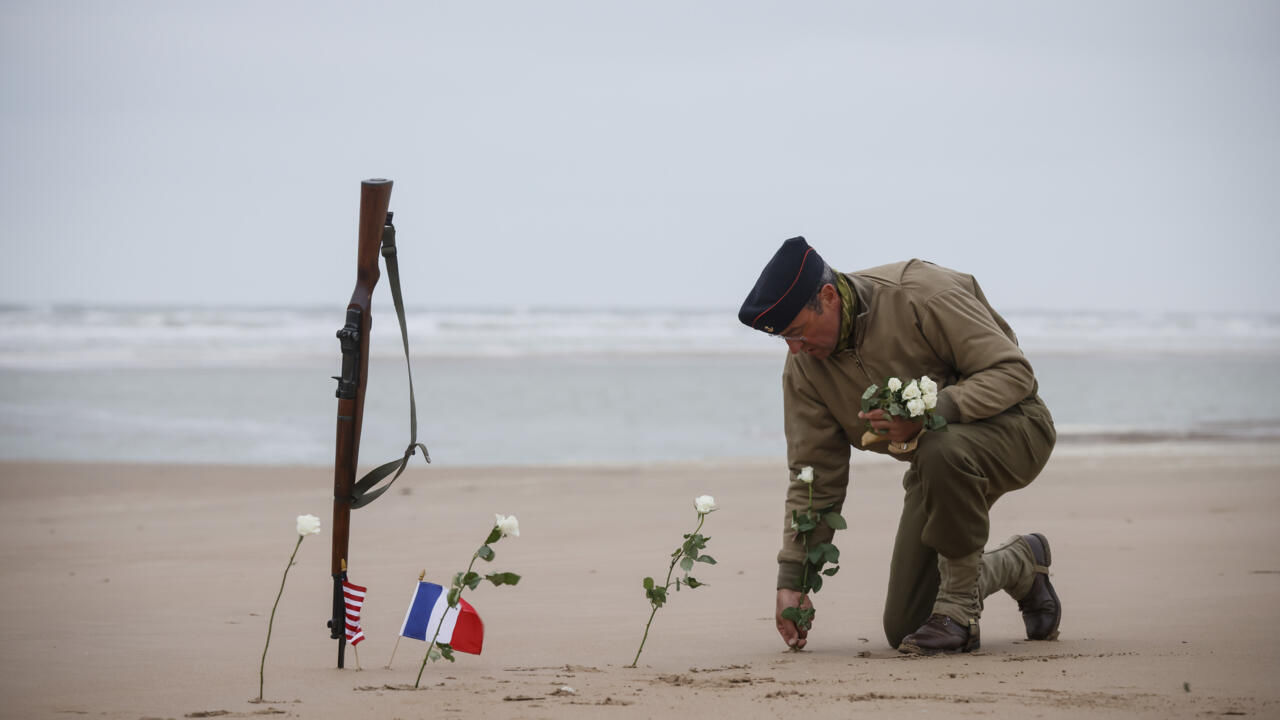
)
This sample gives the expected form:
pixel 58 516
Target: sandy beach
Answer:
pixel 144 592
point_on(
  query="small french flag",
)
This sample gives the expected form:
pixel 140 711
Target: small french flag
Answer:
pixel 461 628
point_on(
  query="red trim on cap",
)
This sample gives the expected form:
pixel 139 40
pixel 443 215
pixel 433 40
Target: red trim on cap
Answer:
pixel 803 260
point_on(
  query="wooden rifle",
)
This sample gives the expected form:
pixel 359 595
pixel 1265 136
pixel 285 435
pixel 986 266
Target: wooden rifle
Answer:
pixel 376 230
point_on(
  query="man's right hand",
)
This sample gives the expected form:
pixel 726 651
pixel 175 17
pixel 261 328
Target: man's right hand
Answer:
pixel 791 635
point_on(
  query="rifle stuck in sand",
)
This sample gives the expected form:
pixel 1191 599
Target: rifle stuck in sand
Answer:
pixel 375 230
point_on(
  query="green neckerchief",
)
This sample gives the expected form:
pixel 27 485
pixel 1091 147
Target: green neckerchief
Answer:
pixel 848 308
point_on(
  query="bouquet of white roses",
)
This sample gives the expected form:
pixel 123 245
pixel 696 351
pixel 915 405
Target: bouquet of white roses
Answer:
pixel 913 400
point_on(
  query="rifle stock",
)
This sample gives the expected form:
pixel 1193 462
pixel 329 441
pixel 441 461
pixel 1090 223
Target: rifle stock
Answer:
pixel 375 198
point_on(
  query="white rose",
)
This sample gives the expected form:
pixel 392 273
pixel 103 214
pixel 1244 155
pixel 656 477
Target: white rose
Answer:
pixel 704 504
pixel 930 400
pixel 308 525
pixel 912 390
pixel 806 475
pixel 507 525
pixel 915 406
pixel 928 386
pixel 894 384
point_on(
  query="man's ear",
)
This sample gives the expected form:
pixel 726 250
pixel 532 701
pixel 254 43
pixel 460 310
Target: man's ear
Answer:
pixel 830 294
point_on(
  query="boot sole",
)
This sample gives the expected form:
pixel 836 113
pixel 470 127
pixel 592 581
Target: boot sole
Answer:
pixel 912 649
pixel 1048 560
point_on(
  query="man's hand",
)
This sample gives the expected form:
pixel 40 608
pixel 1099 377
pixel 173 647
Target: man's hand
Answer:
pixel 791 635
pixel 900 429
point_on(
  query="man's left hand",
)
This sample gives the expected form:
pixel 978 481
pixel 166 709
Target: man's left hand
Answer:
pixel 900 430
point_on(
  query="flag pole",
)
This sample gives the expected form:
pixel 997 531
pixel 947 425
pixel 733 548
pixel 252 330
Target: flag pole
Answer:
pixel 421 576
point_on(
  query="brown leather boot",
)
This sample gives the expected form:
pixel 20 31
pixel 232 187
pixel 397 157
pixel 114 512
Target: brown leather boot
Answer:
pixel 1041 610
pixel 941 634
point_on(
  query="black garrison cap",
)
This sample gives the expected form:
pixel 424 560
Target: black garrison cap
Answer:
pixel 785 285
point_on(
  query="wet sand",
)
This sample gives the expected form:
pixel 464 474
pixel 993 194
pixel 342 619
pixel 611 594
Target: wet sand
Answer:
pixel 144 592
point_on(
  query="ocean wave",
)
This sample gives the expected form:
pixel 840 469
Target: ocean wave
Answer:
pixel 71 337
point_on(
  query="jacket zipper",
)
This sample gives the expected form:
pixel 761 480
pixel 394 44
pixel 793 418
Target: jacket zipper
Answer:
pixel 857 359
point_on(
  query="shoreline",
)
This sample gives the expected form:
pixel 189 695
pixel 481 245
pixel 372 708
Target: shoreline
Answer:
pixel 142 590
pixel 1115 445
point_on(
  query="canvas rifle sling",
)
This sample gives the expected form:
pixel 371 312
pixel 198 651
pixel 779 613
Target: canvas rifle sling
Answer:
pixel 364 492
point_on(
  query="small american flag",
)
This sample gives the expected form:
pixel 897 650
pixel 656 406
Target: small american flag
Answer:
pixel 353 596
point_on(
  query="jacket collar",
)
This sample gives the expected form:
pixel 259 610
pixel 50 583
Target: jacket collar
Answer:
pixel 861 291
pixel 848 311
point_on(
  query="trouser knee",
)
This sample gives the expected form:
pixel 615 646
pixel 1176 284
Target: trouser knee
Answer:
pixel 955 498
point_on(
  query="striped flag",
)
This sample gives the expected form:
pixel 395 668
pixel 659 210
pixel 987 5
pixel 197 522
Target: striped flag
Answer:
pixel 353 596
pixel 460 627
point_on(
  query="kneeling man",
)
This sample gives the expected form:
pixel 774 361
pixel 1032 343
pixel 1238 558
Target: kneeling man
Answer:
pixel 848 331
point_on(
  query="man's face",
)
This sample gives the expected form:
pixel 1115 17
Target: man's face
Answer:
pixel 813 332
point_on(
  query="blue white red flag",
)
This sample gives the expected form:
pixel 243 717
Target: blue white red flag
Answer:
pixel 460 627
pixel 353 598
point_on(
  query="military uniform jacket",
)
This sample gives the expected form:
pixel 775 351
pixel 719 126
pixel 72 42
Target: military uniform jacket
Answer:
pixel 913 318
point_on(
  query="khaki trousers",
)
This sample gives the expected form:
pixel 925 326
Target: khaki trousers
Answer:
pixel 954 478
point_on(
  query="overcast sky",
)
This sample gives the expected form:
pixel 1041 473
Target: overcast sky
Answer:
pixel 603 154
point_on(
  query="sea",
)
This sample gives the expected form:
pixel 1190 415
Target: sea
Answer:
pixel 546 386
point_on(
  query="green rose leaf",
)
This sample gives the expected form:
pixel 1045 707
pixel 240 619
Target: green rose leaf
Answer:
pixel 831 571
pixel 447 652
pixel 686 563
pixel 815 583
pixel 494 535
pixel 693 582
pixel 454 594
pixel 694 544
pixel 503 578
pixel 869 398
pixel 806 618
pixel 648 583
pixel 433 654
pixel 814 555
pixel 485 553
pixel 706 559
pixel 791 613
pixel 832 552
pixel 835 521
pixel 472 580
